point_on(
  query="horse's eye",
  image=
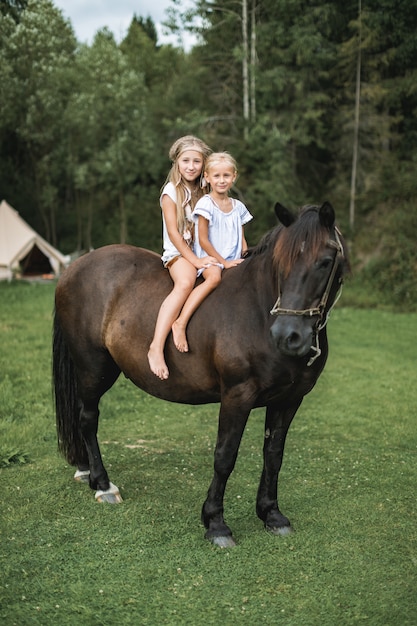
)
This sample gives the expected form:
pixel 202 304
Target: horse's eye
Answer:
pixel 325 263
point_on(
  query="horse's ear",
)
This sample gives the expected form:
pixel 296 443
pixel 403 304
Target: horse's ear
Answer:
pixel 327 215
pixel 285 216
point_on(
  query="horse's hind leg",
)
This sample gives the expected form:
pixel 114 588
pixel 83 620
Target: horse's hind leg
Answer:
pixel 98 477
pixel 90 391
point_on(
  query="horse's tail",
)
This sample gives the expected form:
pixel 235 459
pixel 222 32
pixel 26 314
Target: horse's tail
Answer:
pixel 67 403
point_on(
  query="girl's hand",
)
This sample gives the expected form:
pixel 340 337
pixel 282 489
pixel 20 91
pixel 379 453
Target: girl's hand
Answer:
pixel 233 263
pixel 206 261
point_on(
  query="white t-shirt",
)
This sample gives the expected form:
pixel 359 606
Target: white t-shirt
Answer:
pixel 170 251
pixel 225 229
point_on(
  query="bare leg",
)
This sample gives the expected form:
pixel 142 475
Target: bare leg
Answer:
pixel 183 274
pixel 212 277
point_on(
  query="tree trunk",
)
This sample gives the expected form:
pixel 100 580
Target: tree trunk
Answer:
pixel 52 214
pixel 123 221
pixel 245 68
pixel 89 225
pixel 356 130
pixel 253 63
pixel 79 220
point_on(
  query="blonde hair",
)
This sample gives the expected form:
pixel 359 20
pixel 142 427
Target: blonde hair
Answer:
pixel 216 158
pixel 188 142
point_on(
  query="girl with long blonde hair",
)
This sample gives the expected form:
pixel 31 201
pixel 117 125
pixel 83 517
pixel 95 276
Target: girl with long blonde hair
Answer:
pixel 180 193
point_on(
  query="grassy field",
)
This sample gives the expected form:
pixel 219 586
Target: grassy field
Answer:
pixel 348 485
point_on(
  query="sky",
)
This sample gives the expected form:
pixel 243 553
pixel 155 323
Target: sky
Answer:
pixel 88 16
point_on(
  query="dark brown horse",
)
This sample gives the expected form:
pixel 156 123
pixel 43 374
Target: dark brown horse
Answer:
pixel 258 340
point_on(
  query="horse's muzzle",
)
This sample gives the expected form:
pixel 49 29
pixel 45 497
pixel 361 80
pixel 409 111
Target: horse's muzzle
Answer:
pixel 292 335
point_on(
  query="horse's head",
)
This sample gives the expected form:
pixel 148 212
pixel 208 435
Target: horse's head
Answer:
pixel 310 261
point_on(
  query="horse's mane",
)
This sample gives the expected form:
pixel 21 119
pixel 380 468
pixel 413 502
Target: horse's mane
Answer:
pixel 306 235
pixel 267 242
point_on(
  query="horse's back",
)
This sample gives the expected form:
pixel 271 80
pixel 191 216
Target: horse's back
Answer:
pixel 114 269
pixel 110 264
pixel 108 283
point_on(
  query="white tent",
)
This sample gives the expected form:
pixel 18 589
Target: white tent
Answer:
pixel 23 250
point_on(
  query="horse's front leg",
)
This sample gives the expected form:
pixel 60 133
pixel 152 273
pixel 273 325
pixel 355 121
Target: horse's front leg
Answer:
pixel 277 423
pixel 232 422
pixel 98 477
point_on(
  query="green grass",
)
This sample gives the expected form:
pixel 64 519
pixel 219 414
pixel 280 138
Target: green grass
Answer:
pixel 347 485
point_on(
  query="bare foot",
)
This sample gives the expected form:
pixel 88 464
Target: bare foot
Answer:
pixel 157 364
pixel 179 336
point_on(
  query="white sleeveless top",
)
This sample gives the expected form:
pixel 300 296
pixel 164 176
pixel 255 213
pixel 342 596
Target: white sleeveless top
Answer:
pixel 169 250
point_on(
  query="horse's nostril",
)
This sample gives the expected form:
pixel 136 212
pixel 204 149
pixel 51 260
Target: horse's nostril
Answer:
pixel 293 337
pixel 293 340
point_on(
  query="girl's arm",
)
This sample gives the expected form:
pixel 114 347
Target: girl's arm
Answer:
pixel 170 214
pixel 244 243
pixel 203 228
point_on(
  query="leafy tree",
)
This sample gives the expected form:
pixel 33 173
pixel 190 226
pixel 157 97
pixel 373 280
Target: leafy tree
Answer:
pixel 110 140
pixel 12 8
pixel 36 54
pixel 219 59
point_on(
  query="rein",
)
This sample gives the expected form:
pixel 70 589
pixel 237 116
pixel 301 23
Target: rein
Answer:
pixel 319 310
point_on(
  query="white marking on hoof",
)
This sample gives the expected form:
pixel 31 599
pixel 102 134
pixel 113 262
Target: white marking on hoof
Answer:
pixel 111 495
pixel 82 476
pixel 223 542
pixel 283 531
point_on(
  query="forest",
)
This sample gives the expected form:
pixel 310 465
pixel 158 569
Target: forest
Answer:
pixel 315 99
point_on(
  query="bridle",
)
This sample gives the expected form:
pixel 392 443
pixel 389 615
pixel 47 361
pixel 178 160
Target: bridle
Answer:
pixel 320 309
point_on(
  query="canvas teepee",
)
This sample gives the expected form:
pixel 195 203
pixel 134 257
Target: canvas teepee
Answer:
pixel 23 250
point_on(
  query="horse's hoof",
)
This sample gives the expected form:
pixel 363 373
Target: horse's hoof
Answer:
pixel 111 495
pixel 82 476
pixel 110 498
pixel 283 531
pixel 223 542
